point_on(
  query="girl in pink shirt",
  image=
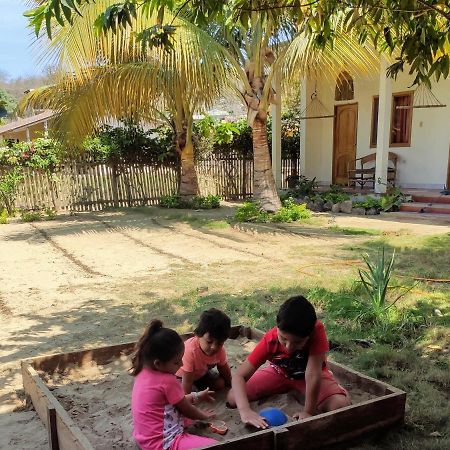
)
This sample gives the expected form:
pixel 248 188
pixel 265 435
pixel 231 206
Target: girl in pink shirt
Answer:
pixel 158 403
pixel 204 351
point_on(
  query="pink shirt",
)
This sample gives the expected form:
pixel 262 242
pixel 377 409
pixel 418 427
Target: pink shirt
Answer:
pixel 156 421
pixel 195 361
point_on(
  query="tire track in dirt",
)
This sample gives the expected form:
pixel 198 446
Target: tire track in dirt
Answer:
pixel 73 259
pixel 217 244
pixel 279 228
pixel 142 243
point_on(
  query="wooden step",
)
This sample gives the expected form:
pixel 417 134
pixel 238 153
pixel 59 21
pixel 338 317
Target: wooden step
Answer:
pixel 444 199
pixel 429 208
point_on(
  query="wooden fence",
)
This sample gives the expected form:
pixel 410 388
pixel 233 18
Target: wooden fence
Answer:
pixel 81 186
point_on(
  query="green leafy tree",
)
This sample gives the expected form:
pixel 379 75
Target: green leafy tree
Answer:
pixel 117 74
pixel 417 30
pixel 7 104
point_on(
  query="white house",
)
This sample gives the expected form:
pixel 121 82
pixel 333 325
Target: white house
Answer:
pixel 365 119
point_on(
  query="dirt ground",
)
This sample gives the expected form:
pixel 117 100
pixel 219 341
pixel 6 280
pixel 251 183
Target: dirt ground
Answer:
pixel 96 278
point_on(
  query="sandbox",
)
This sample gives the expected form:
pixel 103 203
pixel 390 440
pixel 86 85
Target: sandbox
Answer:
pixel 83 398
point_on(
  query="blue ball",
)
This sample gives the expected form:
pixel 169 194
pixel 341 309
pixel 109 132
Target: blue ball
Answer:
pixel 274 416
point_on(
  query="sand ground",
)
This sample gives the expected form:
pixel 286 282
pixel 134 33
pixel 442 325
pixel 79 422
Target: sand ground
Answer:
pixel 94 279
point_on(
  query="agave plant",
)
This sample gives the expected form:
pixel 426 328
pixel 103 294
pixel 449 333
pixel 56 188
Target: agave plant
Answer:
pixel 376 279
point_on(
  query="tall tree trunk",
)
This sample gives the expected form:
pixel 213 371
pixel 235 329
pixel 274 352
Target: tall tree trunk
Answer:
pixel 188 181
pixel 264 184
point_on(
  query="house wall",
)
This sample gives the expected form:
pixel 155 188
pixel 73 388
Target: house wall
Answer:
pixel 422 165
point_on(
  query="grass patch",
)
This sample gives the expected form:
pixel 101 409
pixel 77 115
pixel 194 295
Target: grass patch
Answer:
pixel 351 231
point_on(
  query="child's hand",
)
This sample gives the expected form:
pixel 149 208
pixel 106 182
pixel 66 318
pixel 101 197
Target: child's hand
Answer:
pixel 206 395
pixel 208 414
pixel 302 415
pixel 250 417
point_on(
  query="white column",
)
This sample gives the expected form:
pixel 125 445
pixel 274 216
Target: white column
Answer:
pixel 27 134
pixel 45 128
pixel 303 103
pixel 276 133
pixel 384 128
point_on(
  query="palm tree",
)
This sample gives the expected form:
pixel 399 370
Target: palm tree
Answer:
pixel 264 48
pixel 115 75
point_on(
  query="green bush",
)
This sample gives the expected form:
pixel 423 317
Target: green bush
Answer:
pixel 303 187
pixel 198 202
pixel 368 203
pixel 9 183
pixel 208 202
pixel 170 201
pixel 50 214
pixel 334 197
pixel 289 212
pixel 31 216
pixel 3 217
pixel 251 212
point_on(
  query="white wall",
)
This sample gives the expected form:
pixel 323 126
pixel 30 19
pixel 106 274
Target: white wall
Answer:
pixel 423 164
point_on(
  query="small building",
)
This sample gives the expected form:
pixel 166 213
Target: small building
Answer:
pixel 373 114
pixel 28 128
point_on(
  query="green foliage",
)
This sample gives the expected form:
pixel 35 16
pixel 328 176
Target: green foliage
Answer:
pixel 197 202
pixel 208 202
pixel 251 212
pixel 31 216
pixel 289 212
pixel 170 201
pixel 368 203
pixel 41 154
pixel 376 282
pixel 3 216
pixel 130 143
pixel 393 199
pixel 7 104
pixel 9 183
pixel 334 197
pixel 50 214
pixel 303 187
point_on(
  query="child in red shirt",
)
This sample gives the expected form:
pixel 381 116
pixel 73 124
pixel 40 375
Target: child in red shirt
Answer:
pixel 296 350
pixel 204 351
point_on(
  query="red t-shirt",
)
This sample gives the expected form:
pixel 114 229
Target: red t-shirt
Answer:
pixel 293 365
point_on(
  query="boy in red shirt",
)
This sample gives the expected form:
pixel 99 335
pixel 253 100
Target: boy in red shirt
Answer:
pixel 296 350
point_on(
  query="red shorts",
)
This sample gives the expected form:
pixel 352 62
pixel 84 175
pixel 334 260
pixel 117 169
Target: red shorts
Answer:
pixel 268 381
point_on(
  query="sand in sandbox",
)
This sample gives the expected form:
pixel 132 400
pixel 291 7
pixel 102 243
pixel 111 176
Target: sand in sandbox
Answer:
pixel 98 399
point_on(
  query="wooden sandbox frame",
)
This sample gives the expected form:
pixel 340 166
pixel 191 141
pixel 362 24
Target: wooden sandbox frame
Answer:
pixel 319 431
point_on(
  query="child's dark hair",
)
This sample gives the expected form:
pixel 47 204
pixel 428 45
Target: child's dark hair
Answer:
pixel 297 316
pixel 157 342
pixel 214 322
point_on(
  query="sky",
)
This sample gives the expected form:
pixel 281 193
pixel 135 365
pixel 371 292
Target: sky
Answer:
pixel 16 56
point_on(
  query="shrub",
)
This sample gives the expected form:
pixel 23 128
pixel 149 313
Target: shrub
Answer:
pixel 198 202
pixel 208 202
pixel 304 187
pixel 31 216
pixel 393 199
pixel 251 212
pixel 335 197
pixel 170 201
pixel 368 203
pixel 9 183
pixel 4 217
pixel 50 214
pixel 291 212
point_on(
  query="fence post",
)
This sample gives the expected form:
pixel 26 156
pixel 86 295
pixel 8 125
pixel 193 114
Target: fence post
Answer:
pixel 114 185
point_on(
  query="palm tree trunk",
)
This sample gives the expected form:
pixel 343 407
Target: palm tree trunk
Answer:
pixel 264 184
pixel 188 180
